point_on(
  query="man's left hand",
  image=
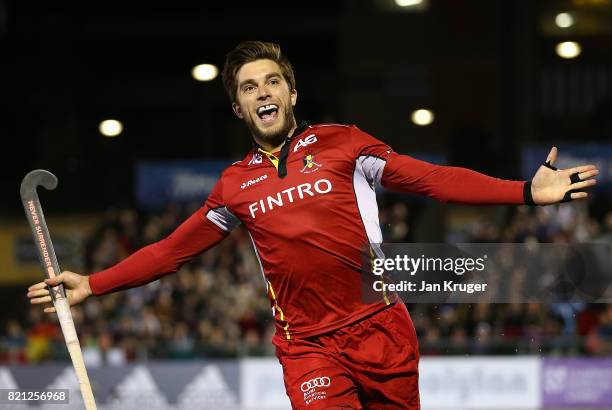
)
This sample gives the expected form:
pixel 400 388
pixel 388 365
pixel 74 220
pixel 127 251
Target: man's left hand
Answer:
pixel 550 185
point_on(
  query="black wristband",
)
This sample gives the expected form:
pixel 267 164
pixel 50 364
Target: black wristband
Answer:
pixel 527 197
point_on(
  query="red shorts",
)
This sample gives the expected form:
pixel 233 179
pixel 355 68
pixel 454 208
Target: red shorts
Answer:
pixel 371 364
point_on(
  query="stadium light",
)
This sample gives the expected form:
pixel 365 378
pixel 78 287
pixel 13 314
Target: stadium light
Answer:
pixel 205 72
pixel 110 128
pixel 568 49
pixel 564 20
pixel 408 3
pixel 422 117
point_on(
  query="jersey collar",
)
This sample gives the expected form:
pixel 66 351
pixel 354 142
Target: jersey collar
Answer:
pixel 281 165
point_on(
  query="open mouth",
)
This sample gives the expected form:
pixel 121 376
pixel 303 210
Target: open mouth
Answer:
pixel 267 113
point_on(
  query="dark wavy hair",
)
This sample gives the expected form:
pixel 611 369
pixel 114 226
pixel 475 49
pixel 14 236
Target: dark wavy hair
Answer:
pixel 249 51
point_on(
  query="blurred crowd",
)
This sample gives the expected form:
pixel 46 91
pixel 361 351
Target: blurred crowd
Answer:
pixel 530 327
pixel 216 305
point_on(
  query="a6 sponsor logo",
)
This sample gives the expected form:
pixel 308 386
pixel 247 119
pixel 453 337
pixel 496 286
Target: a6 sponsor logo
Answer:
pixel 305 141
pixel 257 159
pixel 323 381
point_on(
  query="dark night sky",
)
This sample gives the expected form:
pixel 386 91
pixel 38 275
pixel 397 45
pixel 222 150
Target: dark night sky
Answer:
pixel 64 68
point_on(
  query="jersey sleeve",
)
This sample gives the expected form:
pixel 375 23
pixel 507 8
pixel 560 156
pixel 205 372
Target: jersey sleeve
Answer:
pixel 380 164
pixel 370 154
pixel 403 173
pixel 216 211
pixel 204 229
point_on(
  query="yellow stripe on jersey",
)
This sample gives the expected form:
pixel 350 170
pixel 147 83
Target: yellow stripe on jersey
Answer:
pixel 282 315
pixel 273 159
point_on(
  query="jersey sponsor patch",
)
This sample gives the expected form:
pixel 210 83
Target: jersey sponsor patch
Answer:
pixel 256 159
pixel 315 389
pixel 253 181
pixel 303 142
pixel 290 195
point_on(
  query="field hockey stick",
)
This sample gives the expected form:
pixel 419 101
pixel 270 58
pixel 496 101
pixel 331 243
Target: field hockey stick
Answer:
pixel 48 261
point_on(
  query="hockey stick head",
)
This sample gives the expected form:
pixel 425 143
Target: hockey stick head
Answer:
pixel 35 178
pixel 38 225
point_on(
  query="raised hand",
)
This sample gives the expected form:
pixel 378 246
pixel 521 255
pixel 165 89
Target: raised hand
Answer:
pixel 551 185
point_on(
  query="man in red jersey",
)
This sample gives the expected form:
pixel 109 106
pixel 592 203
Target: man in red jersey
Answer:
pixel 305 193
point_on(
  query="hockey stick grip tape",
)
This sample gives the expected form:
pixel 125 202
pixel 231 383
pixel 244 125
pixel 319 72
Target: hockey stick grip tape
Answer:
pixel 74 349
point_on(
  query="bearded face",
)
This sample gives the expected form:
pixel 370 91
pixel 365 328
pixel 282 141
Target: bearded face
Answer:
pixel 265 102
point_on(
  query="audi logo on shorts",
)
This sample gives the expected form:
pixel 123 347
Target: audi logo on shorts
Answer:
pixel 316 382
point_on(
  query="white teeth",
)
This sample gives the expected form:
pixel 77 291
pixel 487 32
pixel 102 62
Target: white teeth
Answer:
pixel 267 107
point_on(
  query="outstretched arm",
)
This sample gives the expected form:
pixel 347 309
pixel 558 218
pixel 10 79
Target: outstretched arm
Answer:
pixel 403 173
pixel 461 185
pixel 192 237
